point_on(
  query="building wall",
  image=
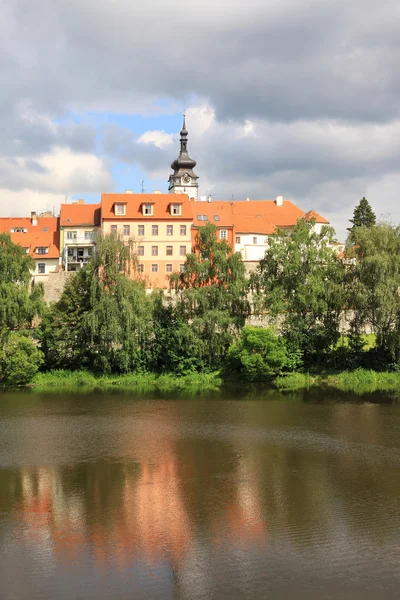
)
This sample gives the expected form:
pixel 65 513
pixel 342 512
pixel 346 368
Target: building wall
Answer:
pixel 157 278
pixel 80 241
pixel 51 266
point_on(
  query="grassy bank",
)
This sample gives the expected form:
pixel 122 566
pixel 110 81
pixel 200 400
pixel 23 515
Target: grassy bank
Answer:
pixel 359 381
pixel 82 381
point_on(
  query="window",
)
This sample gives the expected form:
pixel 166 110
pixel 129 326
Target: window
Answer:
pixel 71 235
pixel 170 230
pixel 140 229
pixel 168 268
pixel 237 239
pixel 41 268
pixel 113 229
pixel 216 217
pixel 175 209
pixel 154 268
pixel 254 240
pixel 205 218
pixel 154 250
pixel 44 229
pixel 199 217
pixel 169 250
pixel 41 250
pixel 90 251
pixel 147 209
pixel 140 268
pixel 154 230
pixel 223 234
pixel 181 268
pixel 89 235
pixel 120 209
pixel 183 230
pixel 140 251
pixel 182 250
pixel 127 229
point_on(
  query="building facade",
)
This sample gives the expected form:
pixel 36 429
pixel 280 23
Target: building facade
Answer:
pixel 79 225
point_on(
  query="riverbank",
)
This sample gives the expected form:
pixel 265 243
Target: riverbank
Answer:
pixel 359 381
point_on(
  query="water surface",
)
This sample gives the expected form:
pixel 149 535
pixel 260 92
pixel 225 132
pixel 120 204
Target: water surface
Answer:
pixel 263 496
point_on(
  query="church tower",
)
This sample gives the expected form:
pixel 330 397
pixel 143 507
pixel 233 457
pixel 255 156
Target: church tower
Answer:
pixel 183 180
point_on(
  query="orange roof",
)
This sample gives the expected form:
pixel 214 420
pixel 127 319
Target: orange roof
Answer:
pixel 312 214
pixel 43 235
pixel 253 225
pixel 280 216
pixel 72 215
pixel 218 213
pixel 133 202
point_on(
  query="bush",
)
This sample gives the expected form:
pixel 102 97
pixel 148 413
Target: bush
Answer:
pixel 259 354
pixel 19 360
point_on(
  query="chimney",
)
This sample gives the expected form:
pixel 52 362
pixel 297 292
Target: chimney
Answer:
pixel 247 199
pixel 33 218
pixel 279 201
pixel 209 198
pixel 156 191
pixel 128 191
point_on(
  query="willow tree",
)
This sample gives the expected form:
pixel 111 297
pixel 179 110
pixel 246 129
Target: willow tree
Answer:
pixel 301 284
pixel 103 319
pixel 211 298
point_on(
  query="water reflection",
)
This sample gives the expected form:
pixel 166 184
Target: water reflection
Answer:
pixel 232 499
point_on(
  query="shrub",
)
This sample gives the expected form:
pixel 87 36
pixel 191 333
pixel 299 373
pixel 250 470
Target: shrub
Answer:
pixel 19 360
pixel 259 354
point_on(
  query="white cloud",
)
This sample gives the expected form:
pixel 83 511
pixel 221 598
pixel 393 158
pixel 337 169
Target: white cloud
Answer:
pixel 160 139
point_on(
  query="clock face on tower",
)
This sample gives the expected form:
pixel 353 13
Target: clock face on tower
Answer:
pixel 186 179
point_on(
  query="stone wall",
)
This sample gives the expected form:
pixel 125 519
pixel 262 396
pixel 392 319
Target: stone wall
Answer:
pixel 54 285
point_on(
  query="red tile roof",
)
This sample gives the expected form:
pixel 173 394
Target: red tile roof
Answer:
pixel 245 224
pixel 43 235
pixel 72 215
pixel 280 216
pixel 312 214
pixel 161 206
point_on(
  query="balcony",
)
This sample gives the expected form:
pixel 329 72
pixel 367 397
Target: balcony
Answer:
pixel 79 240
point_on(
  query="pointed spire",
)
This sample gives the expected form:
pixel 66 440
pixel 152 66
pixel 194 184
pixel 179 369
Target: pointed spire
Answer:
pixel 183 161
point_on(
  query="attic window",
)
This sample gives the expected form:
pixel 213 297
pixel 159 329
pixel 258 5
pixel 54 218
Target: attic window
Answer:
pixel 176 209
pixel 18 230
pixel 68 220
pixel 147 209
pixel 202 217
pixel 120 209
pixel 216 217
pixel 41 250
pixel 45 228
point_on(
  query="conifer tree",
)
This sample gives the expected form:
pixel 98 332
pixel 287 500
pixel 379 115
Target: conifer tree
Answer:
pixel 363 215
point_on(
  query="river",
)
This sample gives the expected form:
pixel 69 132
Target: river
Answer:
pixel 224 496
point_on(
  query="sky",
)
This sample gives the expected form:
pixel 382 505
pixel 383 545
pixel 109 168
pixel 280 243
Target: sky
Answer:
pixel 298 98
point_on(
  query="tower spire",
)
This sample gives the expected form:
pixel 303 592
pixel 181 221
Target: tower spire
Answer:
pixel 183 180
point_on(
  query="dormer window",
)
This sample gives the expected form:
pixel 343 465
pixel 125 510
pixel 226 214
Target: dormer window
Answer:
pixel 147 209
pixel 120 209
pixel 41 250
pixel 176 209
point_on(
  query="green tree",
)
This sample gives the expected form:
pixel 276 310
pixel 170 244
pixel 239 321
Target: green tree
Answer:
pixel 259 354
pixel 300 282
pixel 211 297
pixel 103 320
pixel 363 215
pixel 374 284
pixel 19 359
pixel 18 303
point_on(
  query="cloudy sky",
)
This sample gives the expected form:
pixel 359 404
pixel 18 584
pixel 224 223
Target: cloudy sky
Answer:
pixel 292 97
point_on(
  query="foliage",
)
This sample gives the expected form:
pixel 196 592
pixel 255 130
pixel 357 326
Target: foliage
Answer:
pixel 259 354
pixel 374 284
pixel 301 283
pixel 103 319
pixel 18 304
pixel 19 359
pixel 62 381
pixel 294 381
pixel 211 298
pixel 363 216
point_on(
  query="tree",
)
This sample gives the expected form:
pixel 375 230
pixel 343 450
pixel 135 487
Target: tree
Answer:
pixel 18 303
pixel 259 354
pixel 19 360
pixel 363 215
pixel 300 283
pixel 103 319
pixel 374 284
pixel 211 297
